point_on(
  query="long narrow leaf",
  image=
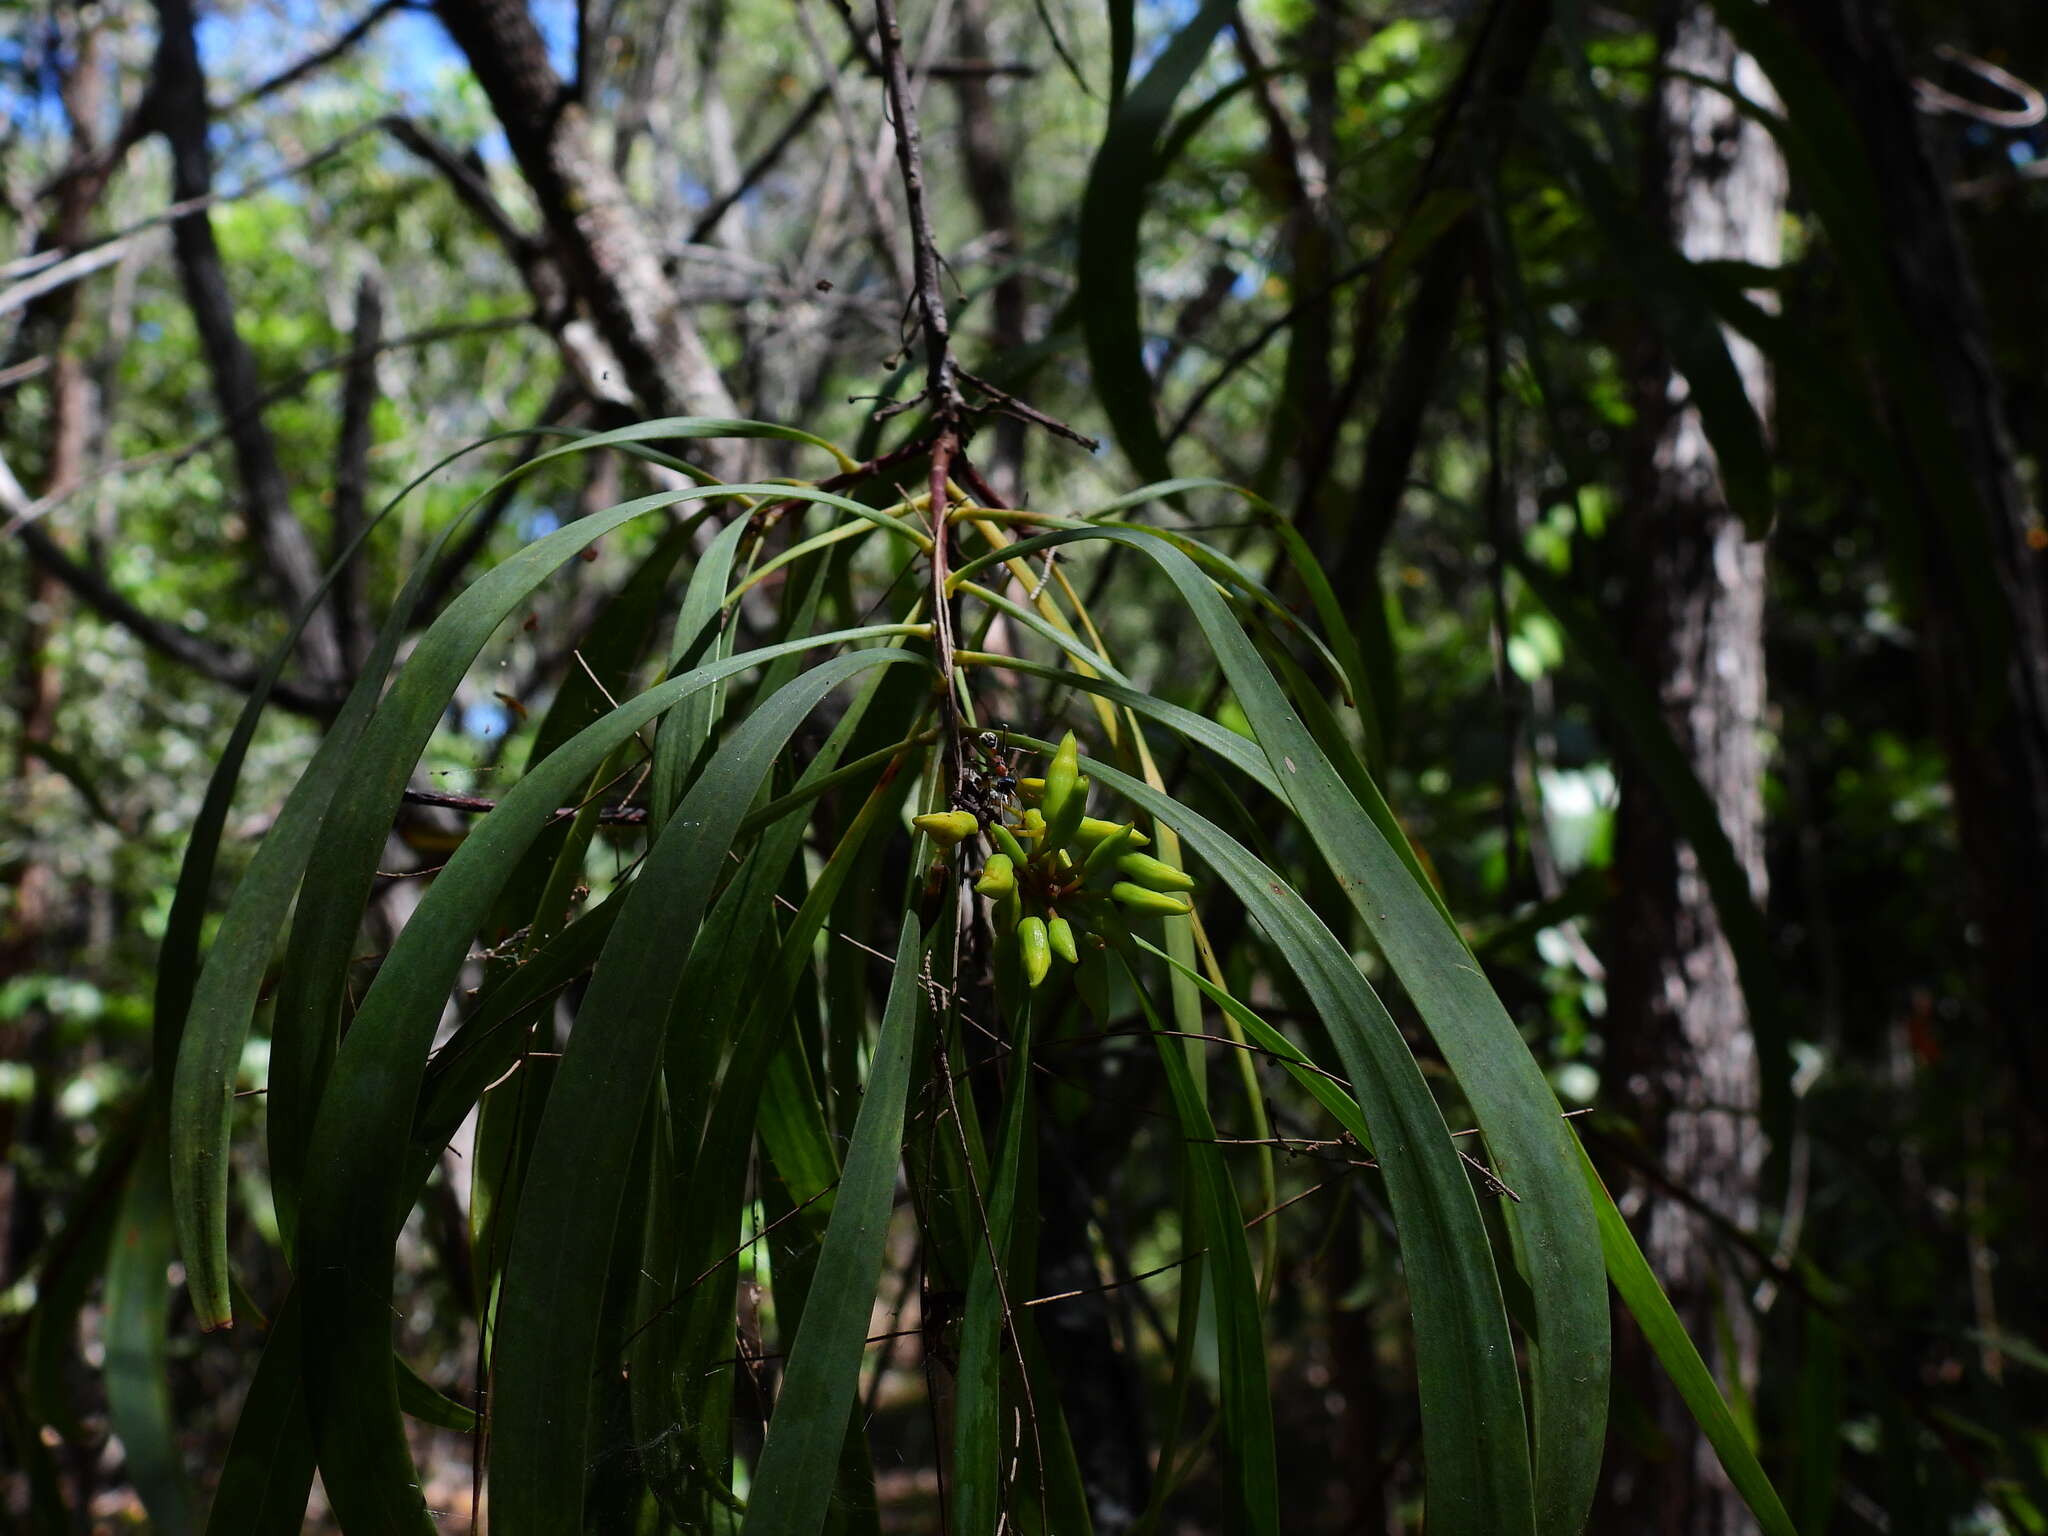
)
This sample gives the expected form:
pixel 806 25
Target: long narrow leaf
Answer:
pixel 548 1335
pixel 1638 1288
pixel 794 1481
pixel 1557 1237
pixel 360 1149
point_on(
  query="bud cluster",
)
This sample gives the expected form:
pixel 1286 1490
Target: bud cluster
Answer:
pixel 1057 874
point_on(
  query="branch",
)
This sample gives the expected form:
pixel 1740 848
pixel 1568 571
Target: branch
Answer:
pixel 172 458
pixel 34 267
pixel 317 60
pixel 466 178
pixel 168 640
pixel 180 116
pixel 942 382
pixel 606 243
pixel 764 162
pixel 474 805
pixel 352 475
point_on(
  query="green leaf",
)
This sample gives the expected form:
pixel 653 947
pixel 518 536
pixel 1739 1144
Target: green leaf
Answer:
pixel 310 994
pixel 1107 263
pixel 1557 1238
pixel 1241 1348
pixel 1638 1288
pixel 360 1153
pixel 202 1027
pixel 798 1469
pixel 1473 1434
pixel 977 1393
pixel 548 1318
pixel 268 1474
pixel 137 1361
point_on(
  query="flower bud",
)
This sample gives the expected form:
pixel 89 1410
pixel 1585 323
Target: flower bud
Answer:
pixel 1148 871
pixel 1150 903
pixel 947 827
pixel 1006 842
pixel 1094 829
pixel 1035 949
pixel 1059 937
pixel 998 876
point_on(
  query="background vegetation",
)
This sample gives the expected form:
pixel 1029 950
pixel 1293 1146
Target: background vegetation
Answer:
pixel 1612 435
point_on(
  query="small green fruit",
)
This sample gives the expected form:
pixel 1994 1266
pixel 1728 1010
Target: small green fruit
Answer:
pixel 1059 935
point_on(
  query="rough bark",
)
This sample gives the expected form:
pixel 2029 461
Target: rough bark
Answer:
pixel 179 113
pixel 1982 606
pixel 352 473
pixel 1681 1053
pixel 613 258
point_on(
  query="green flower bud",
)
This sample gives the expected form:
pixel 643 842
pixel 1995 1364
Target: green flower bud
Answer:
pixel 1150 903
pixel 1093 830
pixel 1062 824
pixel 1062 776
pixel 1006 842
pixel 998 876
pixel 1148 871
pixel 1059 935
pixel 947 827
pixel 1035 948
pixel 1107 851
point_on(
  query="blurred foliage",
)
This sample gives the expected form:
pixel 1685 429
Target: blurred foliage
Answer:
pixel 1898 1292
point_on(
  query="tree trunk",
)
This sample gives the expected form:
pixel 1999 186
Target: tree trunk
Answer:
pixel 612 256
pixel 180 114
pixel 1681 1054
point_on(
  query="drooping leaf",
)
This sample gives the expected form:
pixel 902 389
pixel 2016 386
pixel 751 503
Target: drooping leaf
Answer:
pixel 794 1481
pixel 1107 263
pixel 548 1317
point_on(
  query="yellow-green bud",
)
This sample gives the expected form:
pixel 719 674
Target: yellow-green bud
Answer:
pixel 947 827
pixel 1035 949
pixel 1094 829
pixel 1107 851
pixel 1059 936
pixel 1146 870
pixel 1062 778
pixel 1006 842
pixel 1031 789
pixel 1033 826
pixel 1062 824
pixel 1150 903
pixel 998 876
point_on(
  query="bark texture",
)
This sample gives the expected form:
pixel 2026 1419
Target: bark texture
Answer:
pixel 1681 1052
pixel 613 258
